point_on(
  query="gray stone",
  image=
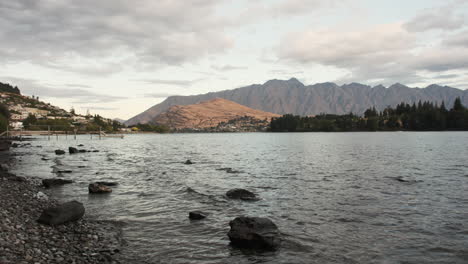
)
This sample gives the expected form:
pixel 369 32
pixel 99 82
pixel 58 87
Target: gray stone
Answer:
pixel 63 213
pixel 98 188
pixel 254 232
pixel 72 150
pixel 59 152
pixel 197 215
pixel 54 182
pixel 241 194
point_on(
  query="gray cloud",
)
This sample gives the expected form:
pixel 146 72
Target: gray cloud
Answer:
pixel 81 96
pixel 285 72
pixel 110 33
pixel 226 67
pixel 183 83
pixel 78 85
pixel 383 54
pixel 158 95
pixel 441 18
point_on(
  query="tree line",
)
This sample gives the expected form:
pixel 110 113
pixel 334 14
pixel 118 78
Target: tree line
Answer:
pixel 423 116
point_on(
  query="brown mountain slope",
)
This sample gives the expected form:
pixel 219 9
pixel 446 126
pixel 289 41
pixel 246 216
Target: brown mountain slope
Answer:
pixel 207 114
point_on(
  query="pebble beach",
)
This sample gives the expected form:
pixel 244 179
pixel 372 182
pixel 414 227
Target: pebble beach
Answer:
pixel 24 240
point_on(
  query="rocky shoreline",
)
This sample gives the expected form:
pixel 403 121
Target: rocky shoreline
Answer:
pixel 24 240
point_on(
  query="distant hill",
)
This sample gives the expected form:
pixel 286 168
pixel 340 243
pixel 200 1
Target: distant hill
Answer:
pixel 291 96
pixel 207 114
pixel 7 88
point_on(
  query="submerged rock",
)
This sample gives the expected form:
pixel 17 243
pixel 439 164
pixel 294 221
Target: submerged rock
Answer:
pixel 241 194
pixel 55 182
pixel 82 150
pixel 80 145
pixel 59 152
pixel 98 188
pixel 107 183
pixel 254 232
pixel 72 150
pixel 188 162
pixel 197 215
pixel 66 212
pixel 64 171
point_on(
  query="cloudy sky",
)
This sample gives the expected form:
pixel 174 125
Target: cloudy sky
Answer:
pixel 119 57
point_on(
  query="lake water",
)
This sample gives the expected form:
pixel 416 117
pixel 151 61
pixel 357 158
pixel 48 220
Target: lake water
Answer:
pixel 334 196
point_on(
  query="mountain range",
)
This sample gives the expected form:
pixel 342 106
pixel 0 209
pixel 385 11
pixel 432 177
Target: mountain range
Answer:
pixel 293 97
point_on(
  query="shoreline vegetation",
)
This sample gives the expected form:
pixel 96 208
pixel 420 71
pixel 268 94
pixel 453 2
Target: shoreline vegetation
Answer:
pixel 24 240
pixel 423 116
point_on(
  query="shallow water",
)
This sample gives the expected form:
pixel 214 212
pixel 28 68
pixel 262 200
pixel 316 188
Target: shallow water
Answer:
pixel 334 196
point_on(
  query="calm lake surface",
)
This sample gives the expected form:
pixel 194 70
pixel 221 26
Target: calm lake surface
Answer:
pixel 334 196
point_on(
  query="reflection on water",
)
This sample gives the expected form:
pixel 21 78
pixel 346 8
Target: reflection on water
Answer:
pixel 336 197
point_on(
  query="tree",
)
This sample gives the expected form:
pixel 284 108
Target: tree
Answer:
pixel 457 105
pixel 30 120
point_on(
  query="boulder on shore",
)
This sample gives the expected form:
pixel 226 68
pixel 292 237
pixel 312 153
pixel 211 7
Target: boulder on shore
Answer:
pixel 5 145
pixel 197 215
pixel 72 150
pixel 59 152
pixel 254 232
pixel 241 194
pixel 98 188
pixel 63 213
pixel 55 182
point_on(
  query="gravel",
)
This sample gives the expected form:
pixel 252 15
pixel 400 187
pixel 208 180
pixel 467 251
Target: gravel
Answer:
pixel 24 240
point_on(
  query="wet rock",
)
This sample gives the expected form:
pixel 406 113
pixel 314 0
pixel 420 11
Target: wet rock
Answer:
pixel 4 167
pixel 59 152
pixel 107 183
pixel 188 162
pixel 64 171
pixel 63 213
pixel 197 215
pixel 98 188
pixel 254 232
pixel 95 150
pixel 82 150
pixel 241 194
pixel 55 182
pixel 13 177
pixel 80 145
pixel 15 145
pixel 72 150
pixel 5 145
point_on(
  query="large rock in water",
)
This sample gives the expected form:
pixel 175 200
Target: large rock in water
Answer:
pixel 241 194
pixel 67 212
pixel 59 152
pixel 254 232
pixel 197 215
pixel 72 150
pixel 98 188
pixel 54 182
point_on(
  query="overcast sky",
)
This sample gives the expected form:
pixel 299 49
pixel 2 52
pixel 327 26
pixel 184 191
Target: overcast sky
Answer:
pixel 119 57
